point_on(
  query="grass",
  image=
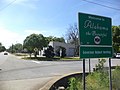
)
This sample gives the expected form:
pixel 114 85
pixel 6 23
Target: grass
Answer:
pixel 70 58
pixel 20 54
pixel 51 59
pixel 27 57
pixel 40 58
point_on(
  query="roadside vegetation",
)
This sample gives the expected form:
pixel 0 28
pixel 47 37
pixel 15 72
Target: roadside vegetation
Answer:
pixel 97 80
pixel 51 59
pixel 2 48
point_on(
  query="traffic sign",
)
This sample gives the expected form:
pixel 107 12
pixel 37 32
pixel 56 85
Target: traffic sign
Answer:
pixel 95 36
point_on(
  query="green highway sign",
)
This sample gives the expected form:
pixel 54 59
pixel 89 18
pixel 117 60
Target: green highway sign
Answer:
pixel 95 36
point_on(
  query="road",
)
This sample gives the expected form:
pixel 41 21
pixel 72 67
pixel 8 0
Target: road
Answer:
pixel 29 72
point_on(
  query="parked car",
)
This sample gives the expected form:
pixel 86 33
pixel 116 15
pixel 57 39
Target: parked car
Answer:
pixel 118 55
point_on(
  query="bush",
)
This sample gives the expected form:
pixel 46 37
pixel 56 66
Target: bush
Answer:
pixel 75 84
pixel 116 78
pixel 49 53
pixel 100 65
pixel 97 81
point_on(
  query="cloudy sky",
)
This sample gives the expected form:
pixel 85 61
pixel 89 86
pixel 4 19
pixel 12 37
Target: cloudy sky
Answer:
pixel 20 18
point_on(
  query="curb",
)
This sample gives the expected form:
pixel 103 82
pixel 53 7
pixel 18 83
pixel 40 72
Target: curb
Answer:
pixel 48 85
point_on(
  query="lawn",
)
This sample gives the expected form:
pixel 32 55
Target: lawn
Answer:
pixel 27 57
pixel 52 59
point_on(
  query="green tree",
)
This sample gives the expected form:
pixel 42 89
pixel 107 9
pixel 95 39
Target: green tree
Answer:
pixel 2 48
pixel 52 38
pixel 34 41
pixel 18 47
pixel 11 49
pixel 116 38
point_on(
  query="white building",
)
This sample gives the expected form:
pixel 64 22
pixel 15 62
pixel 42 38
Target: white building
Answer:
pixel 70 48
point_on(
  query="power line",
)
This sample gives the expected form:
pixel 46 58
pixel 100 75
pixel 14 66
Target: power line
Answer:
pixel 7 5
pixel 102 5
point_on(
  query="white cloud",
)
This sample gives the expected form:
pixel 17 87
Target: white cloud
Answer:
pixel 7 38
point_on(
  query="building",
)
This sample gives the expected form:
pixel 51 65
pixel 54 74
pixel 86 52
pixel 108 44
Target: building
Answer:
pixel 70 48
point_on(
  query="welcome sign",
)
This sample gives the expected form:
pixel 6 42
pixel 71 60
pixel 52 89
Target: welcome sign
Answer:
pixel 95 36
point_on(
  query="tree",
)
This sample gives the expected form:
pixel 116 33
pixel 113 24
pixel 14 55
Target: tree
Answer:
pixel 52 38
pixel 12 49
pixel 2 48
pixel 116 38
pixel 34 41
pixel 17 48
pixel 72 37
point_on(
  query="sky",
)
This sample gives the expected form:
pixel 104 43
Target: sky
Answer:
pixel 20 18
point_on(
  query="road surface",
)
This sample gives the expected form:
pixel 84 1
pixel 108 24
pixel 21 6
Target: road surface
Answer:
pixel 31 75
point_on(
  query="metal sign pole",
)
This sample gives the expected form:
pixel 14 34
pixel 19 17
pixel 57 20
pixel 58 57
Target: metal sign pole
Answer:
pixel 83 74
pixel 110 76
pixel 89 66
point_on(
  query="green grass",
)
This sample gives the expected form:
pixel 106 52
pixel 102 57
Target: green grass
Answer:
pixel 40 58
pixel 70 58
pixel 51 59
pixel 20 54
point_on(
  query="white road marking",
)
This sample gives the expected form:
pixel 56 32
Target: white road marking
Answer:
pixel 36 62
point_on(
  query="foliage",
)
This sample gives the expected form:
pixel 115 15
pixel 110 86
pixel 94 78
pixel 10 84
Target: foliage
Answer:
pixel 75 84
pixel 116 38
pixel 52 38
pixel 2 48
pixel 34 41
pixel 100 65
pixel 61 50
pixel 72 37
pixel 97 80
pixel 49 53
pixel 94 81
pixel 116 78
pixel 17 48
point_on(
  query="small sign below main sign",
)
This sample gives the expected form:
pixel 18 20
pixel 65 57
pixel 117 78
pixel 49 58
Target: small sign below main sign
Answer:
pixel 95 36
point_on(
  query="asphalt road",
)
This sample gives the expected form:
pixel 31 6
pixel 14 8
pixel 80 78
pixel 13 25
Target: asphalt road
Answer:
pixel 14 69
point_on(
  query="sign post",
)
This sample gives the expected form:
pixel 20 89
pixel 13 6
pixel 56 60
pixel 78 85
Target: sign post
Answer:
pixel 84 74
pixel 110 76
pixel 95 37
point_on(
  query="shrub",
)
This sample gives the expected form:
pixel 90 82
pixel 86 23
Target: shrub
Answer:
pixel 75 84
pixel 116 78
pixel 49 53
